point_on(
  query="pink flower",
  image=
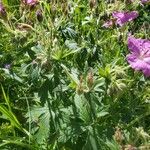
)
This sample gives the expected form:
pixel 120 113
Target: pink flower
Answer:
pixel 145 1
pixel 120 18
pixel 30 2
pixel 123 17
pixel 139 58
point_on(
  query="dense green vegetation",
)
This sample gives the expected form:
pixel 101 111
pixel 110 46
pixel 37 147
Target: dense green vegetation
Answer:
pixel 65 80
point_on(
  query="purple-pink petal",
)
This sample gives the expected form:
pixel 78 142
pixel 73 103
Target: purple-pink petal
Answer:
pixel 145 1
pixel 134 45
pixel 30 2
pixel 108 24
pixel 141 1
pixel 123 17
pixel 139 58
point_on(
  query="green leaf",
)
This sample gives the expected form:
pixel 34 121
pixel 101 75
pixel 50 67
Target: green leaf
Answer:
pixel 90 143
pixel 72 77
pixel 6 98
pixel 102 114
pixel 40 117
pixel 82 107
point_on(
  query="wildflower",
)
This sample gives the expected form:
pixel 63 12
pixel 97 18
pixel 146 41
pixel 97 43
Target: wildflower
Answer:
pixel 139 58
pixel 120 18
pixel 3 13
pixel 30 2
pixel 123 17
pixel 141 1
pixel 145 1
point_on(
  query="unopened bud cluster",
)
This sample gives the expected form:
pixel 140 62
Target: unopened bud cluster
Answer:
pixel 87 86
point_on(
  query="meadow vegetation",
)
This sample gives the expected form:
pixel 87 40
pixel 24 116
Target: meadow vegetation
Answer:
pixel 74 75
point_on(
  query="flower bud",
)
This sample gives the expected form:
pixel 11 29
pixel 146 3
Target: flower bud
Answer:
pixel 92 3
pixel 65 8
pixel 3 13
pixel 80 88
pixel 90 79
pixel 130 147
pixel 39 15
pixel 118 135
